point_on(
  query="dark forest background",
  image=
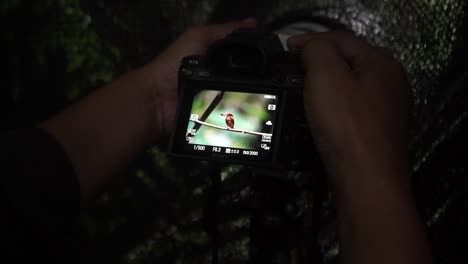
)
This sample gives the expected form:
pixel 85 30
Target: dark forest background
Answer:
pixel 56 52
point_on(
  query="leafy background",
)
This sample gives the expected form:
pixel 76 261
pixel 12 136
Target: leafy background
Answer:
pixel 56 52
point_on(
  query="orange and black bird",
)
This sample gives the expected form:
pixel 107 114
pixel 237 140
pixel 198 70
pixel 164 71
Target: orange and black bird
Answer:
pixel 229 120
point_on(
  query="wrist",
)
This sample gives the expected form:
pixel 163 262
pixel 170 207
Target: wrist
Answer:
pixel 366 188
pixel 360 173
pixel 157 104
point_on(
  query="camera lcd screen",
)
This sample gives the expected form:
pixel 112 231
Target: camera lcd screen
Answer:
pixel 231 125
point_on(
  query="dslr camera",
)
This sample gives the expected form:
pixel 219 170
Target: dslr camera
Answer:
pixel 243 103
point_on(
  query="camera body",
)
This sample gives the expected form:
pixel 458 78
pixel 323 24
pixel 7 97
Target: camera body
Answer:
pixel 243 103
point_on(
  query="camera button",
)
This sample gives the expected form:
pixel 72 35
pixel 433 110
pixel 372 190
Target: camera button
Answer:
pixel 297 80
pixel 204 74
pixel 186 72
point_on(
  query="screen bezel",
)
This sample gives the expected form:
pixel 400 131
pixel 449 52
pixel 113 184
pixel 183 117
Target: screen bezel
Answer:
pixel 189 89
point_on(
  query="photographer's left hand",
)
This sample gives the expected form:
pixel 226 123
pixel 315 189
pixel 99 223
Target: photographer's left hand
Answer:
pixel 104 131
pixel 162 72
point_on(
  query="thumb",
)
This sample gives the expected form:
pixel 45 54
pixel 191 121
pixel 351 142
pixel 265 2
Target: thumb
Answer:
pixel 334 48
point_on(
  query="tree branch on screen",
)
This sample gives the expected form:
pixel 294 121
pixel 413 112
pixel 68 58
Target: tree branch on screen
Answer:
pixel 211 107
pixel 229 129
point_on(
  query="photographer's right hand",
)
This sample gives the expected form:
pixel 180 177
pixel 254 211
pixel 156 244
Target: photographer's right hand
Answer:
pixel 356 99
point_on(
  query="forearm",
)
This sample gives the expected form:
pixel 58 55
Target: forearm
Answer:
pixel 102 132
pixel 378 222
pixel 357 100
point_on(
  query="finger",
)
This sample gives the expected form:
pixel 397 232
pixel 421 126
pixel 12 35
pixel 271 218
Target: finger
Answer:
pixel 196 40
pixel 387 53
pixel 353 49
pixel 298 42
pixel 324 64
pixel 345 38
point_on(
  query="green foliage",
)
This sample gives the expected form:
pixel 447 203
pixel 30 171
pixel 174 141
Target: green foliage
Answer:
pixel 87 55
pixel 64 27
pixel 7 5
pixel 154 213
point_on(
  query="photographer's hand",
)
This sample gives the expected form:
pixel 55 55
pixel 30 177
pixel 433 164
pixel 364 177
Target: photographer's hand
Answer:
pixel 357 104
pixel 162 73
pixel 104 131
